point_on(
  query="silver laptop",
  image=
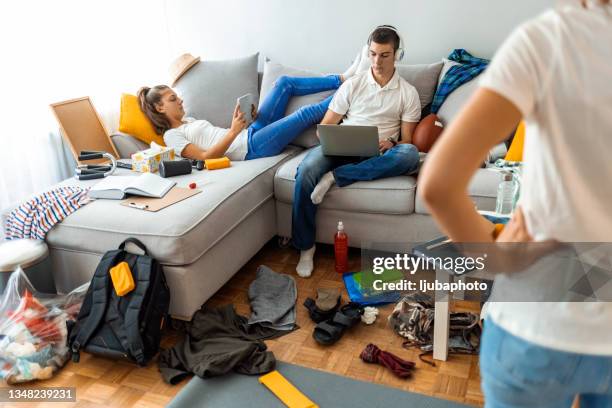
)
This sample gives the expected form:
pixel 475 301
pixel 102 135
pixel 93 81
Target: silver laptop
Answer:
pixel 340 140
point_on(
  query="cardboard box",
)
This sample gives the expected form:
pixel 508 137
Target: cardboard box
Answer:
pixel 147 161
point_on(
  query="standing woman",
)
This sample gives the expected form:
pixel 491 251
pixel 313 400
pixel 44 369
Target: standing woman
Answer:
pixel 555 73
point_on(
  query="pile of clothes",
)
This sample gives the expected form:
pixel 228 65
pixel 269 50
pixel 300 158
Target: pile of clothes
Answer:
pixel 33 330
pixel 219 341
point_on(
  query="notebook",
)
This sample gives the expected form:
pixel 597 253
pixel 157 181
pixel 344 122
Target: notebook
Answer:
pixel 117 187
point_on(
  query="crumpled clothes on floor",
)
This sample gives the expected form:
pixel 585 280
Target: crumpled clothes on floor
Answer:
pixel 217 342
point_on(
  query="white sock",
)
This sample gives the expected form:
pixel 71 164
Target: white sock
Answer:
pixel 306 263
pixel 322 187
pixel 360 64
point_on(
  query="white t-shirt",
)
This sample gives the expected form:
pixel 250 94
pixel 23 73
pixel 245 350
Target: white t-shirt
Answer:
pixel 204 135
pixel 366 103
pixel 557 70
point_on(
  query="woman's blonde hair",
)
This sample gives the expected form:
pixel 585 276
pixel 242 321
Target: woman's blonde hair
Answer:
pixel 148 99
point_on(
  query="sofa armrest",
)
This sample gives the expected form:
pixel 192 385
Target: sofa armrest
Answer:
pixel 127 145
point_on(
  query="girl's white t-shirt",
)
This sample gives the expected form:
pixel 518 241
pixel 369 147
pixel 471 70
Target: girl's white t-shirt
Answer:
pixel 557 70
pixel 204 135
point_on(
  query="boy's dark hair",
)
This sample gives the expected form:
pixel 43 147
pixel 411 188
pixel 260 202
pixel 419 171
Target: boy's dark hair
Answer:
pixel 385 34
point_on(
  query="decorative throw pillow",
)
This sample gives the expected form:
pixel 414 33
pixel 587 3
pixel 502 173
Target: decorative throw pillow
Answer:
pixel 515 153
pixel 424 78
pixel 133 121
pixel 427 132
pixel 272 71
pixel 210 89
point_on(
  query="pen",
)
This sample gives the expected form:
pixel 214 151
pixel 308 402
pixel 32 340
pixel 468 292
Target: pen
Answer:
pixel 139 206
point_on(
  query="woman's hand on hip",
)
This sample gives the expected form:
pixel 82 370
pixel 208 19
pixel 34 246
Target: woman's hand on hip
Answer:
pixel 516 229
pixel 238 121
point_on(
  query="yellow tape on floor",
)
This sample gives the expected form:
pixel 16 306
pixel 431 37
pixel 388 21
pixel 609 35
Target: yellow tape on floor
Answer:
pixel 285 391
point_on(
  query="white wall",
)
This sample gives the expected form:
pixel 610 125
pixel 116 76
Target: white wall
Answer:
pixel 324 35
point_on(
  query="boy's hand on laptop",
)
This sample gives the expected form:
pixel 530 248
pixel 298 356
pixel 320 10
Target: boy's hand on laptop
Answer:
pixel 384 145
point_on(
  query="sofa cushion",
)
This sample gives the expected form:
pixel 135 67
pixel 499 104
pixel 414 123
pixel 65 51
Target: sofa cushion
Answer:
pixel 127 145
pixel 482 190
pixel 183 232
pixel 424 78
pixel 133 121
pixel 455 101
pixel 393 195
pixel 210 88
pixel 272 71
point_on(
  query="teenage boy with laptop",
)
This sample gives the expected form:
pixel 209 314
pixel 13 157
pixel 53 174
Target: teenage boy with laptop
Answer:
pixel 376 97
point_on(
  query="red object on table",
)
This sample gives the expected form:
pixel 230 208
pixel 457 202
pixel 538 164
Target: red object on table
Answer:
pixel 192 185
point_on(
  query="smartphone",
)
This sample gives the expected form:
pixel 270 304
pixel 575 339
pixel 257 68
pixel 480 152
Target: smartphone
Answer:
pixel 244 104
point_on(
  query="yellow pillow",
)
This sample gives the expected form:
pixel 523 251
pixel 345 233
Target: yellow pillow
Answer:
pixel 134 122
pixel 515 153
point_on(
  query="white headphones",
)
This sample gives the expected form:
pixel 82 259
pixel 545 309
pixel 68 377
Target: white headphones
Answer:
pixel 399 53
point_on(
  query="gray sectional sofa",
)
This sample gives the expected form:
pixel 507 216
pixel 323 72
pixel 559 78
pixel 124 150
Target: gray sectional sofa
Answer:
pixel 203 241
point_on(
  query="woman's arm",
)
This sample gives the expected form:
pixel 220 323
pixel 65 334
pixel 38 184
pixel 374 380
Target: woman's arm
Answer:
pixel 191 151
pixel 485 121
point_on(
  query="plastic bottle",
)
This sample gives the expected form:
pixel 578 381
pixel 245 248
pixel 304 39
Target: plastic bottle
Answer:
pixel 341 249
pixel 506 192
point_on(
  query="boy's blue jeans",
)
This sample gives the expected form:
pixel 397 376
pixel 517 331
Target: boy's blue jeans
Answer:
pixel 517 373
pixel 399 160
pixel 273 131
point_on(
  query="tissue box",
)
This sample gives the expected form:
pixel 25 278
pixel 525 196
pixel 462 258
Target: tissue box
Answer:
pixel 147 161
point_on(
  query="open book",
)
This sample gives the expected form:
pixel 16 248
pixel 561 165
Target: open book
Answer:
pixel 117 187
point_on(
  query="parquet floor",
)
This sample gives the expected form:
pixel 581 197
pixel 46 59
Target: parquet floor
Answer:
pixel 105 383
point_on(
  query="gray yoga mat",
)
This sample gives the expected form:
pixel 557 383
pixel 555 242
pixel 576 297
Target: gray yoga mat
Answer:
pixel 326 390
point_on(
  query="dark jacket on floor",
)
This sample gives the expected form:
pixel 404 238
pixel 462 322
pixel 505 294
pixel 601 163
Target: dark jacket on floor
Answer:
pixel 217 342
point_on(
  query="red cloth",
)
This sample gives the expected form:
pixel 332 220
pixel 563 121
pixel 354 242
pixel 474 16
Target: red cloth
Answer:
pixel 401 368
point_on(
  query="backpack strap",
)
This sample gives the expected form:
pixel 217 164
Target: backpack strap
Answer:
pixel 97 296
pixel 144 265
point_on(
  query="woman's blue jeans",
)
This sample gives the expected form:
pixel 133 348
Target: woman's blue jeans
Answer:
pixel 517 373
pixel 273 131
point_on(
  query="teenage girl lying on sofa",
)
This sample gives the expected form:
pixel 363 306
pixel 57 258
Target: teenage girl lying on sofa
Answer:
pixel 268 135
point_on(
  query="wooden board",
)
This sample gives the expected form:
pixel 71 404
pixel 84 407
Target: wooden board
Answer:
pixel 82 128
pixel 173 196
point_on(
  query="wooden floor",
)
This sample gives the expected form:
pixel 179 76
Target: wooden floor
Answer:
pixel 105 383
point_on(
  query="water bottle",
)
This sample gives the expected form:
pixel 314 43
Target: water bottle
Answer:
pixel 506 192
pixel 341 249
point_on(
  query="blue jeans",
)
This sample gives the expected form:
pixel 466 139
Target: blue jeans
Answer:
pixel 394 162
pixel 517 373
pixel 273 131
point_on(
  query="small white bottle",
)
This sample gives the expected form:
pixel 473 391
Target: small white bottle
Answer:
pixel 506 192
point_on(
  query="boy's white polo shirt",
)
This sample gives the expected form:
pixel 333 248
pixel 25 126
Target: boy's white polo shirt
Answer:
pixel 366 103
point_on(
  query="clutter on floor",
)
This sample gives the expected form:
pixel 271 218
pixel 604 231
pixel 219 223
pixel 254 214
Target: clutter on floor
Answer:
pixel 360 286
pixel 285 391
pixel 272 296
pixel 33 330
pixel 413 316
pixel 325 306
pixel 34 218
pixel 330 331
pixel 219 341
pixel 374 355
pixel 369 315
pixel 119 319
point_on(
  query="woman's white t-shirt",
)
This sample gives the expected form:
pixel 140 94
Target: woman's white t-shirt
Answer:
pixel 557 70
pixel 204 135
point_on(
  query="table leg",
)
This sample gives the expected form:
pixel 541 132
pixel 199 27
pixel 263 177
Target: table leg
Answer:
pixel 441 318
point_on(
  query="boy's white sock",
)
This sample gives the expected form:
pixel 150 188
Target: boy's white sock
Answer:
pixel 306 263
pixel 322 187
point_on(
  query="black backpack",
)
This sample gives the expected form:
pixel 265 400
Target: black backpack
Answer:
pixel 122 327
